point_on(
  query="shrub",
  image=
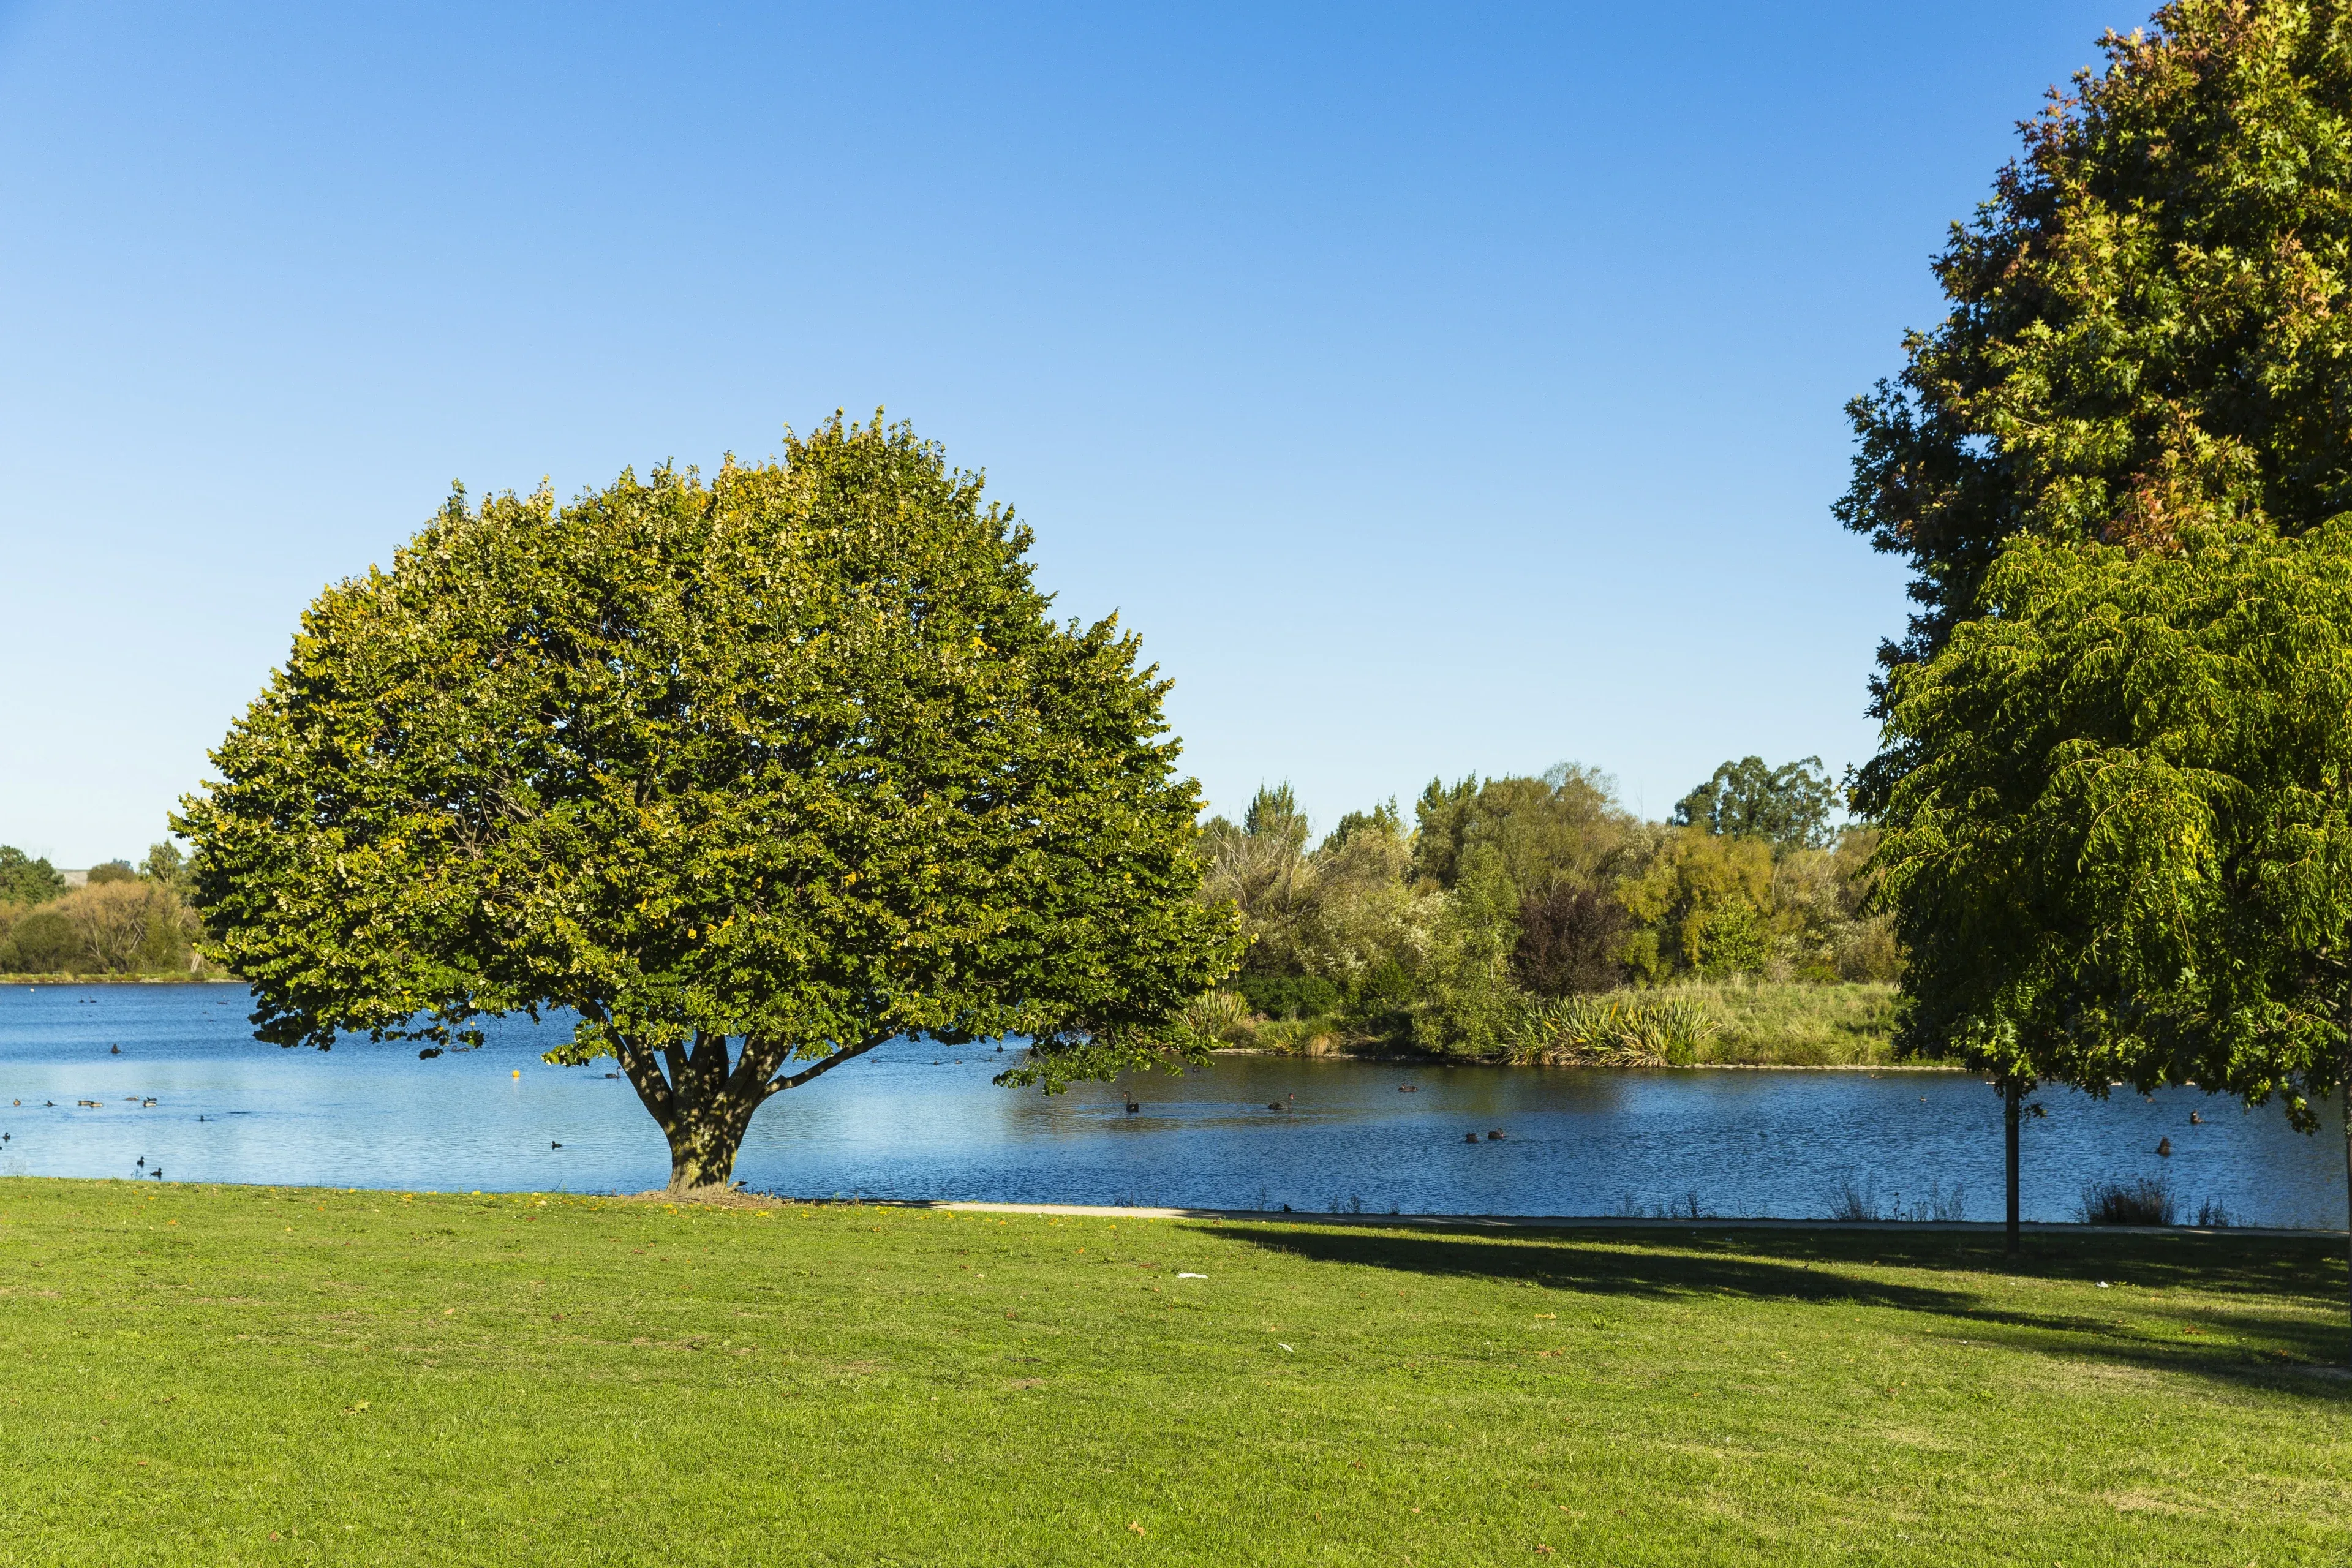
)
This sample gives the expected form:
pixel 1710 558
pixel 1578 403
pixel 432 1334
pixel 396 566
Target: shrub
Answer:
pixel 42 943
pixel 1289 995
pixel 2145 1201
pixel 1571 940
pixel 1218 1015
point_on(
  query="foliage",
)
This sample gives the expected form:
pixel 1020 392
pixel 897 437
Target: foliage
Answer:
pixel 2146 324
pixel 769 768
pixel 1470 1003
pixel 121 923
pixel 1220 1015
pixel 2120 851
pixel 1510 891
pixel 1788 806
pixel 1825 924
pixel 528 1379
pixel 1564 827
pixel 26 880
pixel 1701 897
pixel 1288 995
pixel 1794 1023
pixel 1340 913
pixel 1573 940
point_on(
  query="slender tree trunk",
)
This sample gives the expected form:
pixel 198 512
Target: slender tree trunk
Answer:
pixel 2345 1107
pixel 2011 1094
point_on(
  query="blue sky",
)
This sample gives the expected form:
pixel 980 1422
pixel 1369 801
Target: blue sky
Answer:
pixel 1434 390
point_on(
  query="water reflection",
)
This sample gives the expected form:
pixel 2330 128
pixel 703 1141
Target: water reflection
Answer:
pixel 917 1122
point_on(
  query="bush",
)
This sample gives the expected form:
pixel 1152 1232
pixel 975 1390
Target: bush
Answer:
pixel 42 943
pixel 2146 1201
pixel 118 925
pixel 1571 941
pixel 1289 995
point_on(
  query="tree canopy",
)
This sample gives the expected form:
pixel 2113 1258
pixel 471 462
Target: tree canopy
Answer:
pixel 2123 850
pixel 25 880
pixel 2146 324
pixel 1788 806
pixel 763 769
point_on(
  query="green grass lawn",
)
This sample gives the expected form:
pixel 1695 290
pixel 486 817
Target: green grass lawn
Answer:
pixel 257 1375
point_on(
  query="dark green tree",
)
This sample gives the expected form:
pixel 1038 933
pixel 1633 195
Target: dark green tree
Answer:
pixel 1274 814
pixel 2122 851
pixel 1788 806
pixel 752 774
pixel 2147 322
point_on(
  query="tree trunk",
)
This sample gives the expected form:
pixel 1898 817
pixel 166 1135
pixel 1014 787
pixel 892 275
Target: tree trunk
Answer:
pixel 703 1141
pixel 2011 1094
pixel 702 1097
pixel 703 1104
pixel 2345 1107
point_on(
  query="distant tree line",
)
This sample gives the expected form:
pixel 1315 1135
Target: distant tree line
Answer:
pixel 1502 894
pixel 127 920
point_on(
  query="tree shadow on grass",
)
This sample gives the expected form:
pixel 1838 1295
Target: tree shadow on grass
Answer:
pixel 2283 1300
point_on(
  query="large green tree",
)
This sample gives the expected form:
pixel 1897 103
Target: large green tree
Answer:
pixel 2147 335
pixel 2123 850
pixel 2147 323
pixel 752 773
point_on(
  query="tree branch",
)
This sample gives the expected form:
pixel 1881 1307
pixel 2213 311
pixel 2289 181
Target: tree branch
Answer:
pixel 824 1065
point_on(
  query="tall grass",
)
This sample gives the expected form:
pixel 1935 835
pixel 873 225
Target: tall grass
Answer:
pixel 1626 1028
pixel 2146 1201
pixel 1218 1015
pixel 1793 1023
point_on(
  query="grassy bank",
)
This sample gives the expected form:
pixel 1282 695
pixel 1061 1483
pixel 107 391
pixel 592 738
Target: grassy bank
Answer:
pixel 251 1375
pixel 1759 1023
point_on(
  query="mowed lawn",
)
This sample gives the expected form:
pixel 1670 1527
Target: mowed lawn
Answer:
pixel 221 1375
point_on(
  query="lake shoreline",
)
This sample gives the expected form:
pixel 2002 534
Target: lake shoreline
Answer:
pixel 29 981
pixel 1421 1058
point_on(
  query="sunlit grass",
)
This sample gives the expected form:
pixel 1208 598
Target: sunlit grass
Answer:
pixel 1793 1024
pixel 250 1375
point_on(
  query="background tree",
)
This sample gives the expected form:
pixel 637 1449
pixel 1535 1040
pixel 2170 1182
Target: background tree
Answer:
pixel 752 774
pixel 1704 901
pixel 2122 851
pixel 1788 806
pixel 121 923
pixel 1564 827
pixel 26 880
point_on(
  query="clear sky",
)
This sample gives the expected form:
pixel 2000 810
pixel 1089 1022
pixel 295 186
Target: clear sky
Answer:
pixel 1435 389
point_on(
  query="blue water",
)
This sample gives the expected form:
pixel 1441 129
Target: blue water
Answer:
pixel 915 1121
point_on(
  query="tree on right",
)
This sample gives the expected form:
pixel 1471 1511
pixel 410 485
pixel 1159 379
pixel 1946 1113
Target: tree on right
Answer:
pixel 2112 775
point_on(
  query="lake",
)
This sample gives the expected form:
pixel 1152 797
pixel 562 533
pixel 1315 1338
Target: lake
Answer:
pixel 917 1120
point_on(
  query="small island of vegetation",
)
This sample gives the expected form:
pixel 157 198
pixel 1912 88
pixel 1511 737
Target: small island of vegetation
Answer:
pixel 1536 920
